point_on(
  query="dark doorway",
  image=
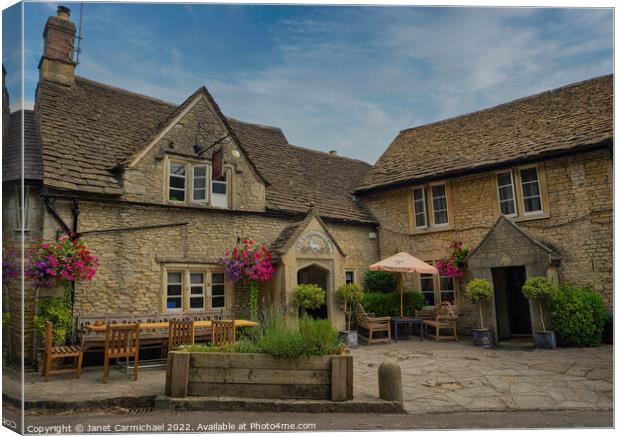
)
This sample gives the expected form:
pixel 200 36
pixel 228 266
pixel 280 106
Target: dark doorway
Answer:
pixel 315 275
pixel 511 307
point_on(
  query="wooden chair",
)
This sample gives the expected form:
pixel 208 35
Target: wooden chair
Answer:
pixel 444 319
pixel 121 340
pixel 180 333
pixel 60 352
pixel 373 325
pixel 222 332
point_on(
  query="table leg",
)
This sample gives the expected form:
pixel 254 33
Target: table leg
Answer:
pixel 395 325
pixel 421 327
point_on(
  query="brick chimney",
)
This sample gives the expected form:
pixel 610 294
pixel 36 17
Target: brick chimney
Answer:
pixel 333 152
pixel 57 60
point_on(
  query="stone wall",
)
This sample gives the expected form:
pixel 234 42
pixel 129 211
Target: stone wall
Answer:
pixel 578 224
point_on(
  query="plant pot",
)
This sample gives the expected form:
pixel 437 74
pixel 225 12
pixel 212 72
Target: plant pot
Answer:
pixel 545 340
pixel 349 338
pixel 483 337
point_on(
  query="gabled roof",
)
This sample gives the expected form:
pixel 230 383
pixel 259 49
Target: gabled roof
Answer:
pixel 91 128
pixel 11 149
pixel 575 117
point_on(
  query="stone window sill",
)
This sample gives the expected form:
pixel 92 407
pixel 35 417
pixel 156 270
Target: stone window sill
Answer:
pixel 537 216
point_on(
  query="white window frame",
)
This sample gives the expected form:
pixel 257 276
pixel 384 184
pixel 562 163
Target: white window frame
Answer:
pixel 453 290
pixel 445 191
pixel 514 195
pixel 182 273
pixel 170 175
pixel 349 271
pixel 215 196
pixel 190 285
pixel 424 211
pixel 210 290
pixel 540 197
pixel 207 184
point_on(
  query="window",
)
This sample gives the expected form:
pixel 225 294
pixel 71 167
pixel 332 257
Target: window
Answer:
pixel 196 291
pixel 506 194
pixel 428 289
pixel 174 291
pixel 177 182
pixel 419 207
pixel 218 293
pixel 349 277
pixel 199 183
pixel 531 190
pixel 447 292
pixel 219 192
pixel 440 204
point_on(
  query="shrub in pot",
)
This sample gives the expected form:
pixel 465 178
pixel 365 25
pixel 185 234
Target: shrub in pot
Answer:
pixel 477 292
pixel 308 296
pixel 578 316
pixel 540 290
pixel 349 295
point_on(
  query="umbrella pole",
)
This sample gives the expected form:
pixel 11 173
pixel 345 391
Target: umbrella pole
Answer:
pixel 402 279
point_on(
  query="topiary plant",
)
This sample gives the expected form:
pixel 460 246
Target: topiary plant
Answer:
pixel 349 295
pixel 539 289
pixel 479 290
pixel 309 296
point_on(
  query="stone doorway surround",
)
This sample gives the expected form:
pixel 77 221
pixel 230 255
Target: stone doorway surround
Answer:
pixel 310 243
pixel 508 245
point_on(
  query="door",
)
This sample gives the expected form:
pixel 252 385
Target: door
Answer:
pixel 511 307
pixel 315 275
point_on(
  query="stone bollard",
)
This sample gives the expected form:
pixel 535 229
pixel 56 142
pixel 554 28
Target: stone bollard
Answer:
pixel 390 382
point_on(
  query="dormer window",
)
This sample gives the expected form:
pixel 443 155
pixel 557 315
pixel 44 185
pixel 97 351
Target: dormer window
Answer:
pixel 199 184
pixel 177 182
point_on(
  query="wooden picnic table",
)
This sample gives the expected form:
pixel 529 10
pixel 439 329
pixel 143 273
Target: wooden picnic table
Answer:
pixel 164 325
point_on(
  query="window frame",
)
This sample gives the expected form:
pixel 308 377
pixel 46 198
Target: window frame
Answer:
pixel 207 270
pixel 425 211
pixel 434 293
pixel 514 193
pixel 349 271
pixel 166 295
pixel 190 295
pixel 226 183
pixel 445 187
pixel 211 283
pixel 206 187
pixel 453 290
pixel 186 165
pixel 540 193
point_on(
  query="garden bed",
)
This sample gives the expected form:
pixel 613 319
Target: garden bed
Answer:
pixel 257 375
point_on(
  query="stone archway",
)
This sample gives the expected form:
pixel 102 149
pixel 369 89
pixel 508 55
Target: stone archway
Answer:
pixel 317 275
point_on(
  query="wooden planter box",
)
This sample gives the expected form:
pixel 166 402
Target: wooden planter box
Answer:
pixel 248 375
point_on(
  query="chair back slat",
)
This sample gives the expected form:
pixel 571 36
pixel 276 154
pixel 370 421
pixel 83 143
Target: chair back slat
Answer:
pixel 360 313
pixel 122 340
pixel 180 333
pixel 222 332
pixel 446 312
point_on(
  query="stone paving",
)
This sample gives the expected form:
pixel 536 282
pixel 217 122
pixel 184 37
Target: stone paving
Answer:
pixel 437 377
pixel 451 376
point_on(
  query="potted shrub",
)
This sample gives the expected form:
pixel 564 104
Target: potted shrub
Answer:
pixel 308 296
pixel 541 289
pixel 349 295
pixel 478 291
pixel 578 316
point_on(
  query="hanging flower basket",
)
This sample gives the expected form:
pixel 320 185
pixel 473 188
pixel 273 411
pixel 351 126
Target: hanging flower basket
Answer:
pixel 454 265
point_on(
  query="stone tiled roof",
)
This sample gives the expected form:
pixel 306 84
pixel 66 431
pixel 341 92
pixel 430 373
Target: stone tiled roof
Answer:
pixel 578 116
pixel 11 149
pixel 91 128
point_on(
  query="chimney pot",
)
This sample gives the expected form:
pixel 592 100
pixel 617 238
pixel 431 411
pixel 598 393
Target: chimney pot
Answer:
pixel 334 152
pixel 63 12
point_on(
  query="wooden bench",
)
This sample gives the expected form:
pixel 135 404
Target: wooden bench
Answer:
pixel 441 318
pixel 373 325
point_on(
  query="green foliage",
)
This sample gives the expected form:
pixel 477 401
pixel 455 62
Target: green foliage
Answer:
pixel 578 316
pixel 281 340
pixel 6 318
pixel 349 295
pixel 479 290
pixel 309 296
pixel 57 310
pixel 380 281
pixel 382 304
pixel 253 300
pixel 539 288
pixel 319 335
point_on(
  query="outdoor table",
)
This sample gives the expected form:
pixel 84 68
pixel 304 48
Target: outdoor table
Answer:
pixel 164 325
pixel 408 323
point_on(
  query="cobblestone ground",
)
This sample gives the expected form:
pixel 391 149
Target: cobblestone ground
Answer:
pixel 449 376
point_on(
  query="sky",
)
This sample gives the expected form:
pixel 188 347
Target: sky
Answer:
pixel 344 78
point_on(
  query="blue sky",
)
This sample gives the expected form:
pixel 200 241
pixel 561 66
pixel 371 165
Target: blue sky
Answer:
pixel 344 78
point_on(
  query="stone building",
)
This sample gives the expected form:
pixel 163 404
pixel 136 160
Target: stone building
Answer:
pixel 527 185
pixel 161 191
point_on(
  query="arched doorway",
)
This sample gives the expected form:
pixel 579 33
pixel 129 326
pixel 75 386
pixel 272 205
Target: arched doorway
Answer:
pixel 316 275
